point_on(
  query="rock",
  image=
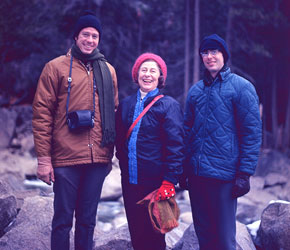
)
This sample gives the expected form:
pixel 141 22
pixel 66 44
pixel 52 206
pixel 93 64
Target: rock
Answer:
pixel 175 235
pixel 285 193
pixel 276 191
pixel 251 205
pixel 273 179
pixel 25 144
pixel 190 241
pixel 184 206
pixel 23 194
pixel 112 189
pixel 108 211
pixel 274 231
pixel 7 126
pixel 16 128
pixel 115 240
pixel 257 182
pixel 244 240
pixel 8 212
pixel 186 217
pixel 19 166
pixel 24 119
pixel 271 161
pixel 31 229
pixel 253 228
pixel 8 208
pixel 119 239
pixel 4 188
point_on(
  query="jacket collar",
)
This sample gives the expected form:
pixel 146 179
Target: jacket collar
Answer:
pixel 223 73
pixel 149 96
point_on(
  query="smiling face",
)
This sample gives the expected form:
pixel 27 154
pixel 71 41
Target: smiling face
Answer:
pixel 213 63
pixel 88 40
pixel 148 76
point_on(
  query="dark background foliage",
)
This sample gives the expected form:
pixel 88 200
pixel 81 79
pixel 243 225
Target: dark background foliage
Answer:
pixel 257 32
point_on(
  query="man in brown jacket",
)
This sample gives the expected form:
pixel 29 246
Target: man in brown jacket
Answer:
pixel 74 132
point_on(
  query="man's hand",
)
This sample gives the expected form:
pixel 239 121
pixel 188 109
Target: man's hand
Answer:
pixel 166 191
pixel 45 170
pixel 241 185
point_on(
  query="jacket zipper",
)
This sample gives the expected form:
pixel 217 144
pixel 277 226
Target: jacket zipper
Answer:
pixel 90 144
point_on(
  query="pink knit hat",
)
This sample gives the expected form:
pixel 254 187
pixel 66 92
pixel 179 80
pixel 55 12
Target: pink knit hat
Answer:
pixel 147 56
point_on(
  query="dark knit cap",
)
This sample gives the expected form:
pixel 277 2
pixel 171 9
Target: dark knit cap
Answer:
pixel 88 19
pixel 215 42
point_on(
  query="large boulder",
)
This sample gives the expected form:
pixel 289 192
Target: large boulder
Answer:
pixel 274 231
pixel 15 167
pixel 243 237
pixel 271 161
pixel 190 241
pixel 175 235
pixel 8 208
pixel 16 129
pixel 251 205
pixel 117 239
pixel 7 126
pixel 31 229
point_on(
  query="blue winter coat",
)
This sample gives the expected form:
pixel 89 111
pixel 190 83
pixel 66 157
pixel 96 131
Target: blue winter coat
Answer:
pixel 222 127
pixel 159 141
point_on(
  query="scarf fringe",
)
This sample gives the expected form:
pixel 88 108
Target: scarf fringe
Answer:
pixel 108 137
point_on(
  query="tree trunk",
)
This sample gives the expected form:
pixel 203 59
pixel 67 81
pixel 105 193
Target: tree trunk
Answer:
pixel 186 51
pixel 264 122
pixel 274 110
pixel 196 43
pixel 229 31
pixel 140 31
pixel 286 137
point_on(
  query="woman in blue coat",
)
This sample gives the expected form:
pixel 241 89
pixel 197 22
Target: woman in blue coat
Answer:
pixel 151 157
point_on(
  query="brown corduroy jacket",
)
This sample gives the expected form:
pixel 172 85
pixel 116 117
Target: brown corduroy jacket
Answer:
pixel 51 134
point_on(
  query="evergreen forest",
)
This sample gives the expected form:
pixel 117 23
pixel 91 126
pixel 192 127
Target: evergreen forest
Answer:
pixel 257 33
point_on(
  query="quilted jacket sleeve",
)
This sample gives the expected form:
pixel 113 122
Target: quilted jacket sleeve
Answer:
pixel 249 127
pixel 174 147
pixel 43 111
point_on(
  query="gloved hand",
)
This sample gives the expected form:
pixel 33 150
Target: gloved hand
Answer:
pixel 45 170
pixel 166 191
pixel 241 185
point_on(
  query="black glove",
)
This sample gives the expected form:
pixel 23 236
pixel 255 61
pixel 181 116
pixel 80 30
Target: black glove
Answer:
pixel 183 182
pixel 241 185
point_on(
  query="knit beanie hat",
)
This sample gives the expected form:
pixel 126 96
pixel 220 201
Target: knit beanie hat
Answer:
pixel 88 19
pixel 215 42
pixel 149 56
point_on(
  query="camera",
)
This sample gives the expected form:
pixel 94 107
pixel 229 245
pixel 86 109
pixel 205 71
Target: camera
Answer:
pixel 80 119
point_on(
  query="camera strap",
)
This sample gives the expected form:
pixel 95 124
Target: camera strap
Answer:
pixel 142 114
pixel 69 80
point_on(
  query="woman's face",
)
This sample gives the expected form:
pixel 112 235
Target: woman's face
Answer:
pixel 148 76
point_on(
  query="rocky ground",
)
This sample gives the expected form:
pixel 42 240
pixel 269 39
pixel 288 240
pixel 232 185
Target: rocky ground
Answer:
pixel 26 203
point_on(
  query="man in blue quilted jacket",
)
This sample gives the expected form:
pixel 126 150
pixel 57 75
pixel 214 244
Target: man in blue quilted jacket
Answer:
pixel 223 137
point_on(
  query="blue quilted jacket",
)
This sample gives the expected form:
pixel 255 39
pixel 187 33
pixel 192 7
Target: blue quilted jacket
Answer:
pixel 157 140
pixel 222 127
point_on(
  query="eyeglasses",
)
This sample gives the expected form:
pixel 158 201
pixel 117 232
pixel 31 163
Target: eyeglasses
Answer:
pixel 212 52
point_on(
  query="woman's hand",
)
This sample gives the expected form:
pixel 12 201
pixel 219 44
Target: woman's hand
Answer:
pixel 166 191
